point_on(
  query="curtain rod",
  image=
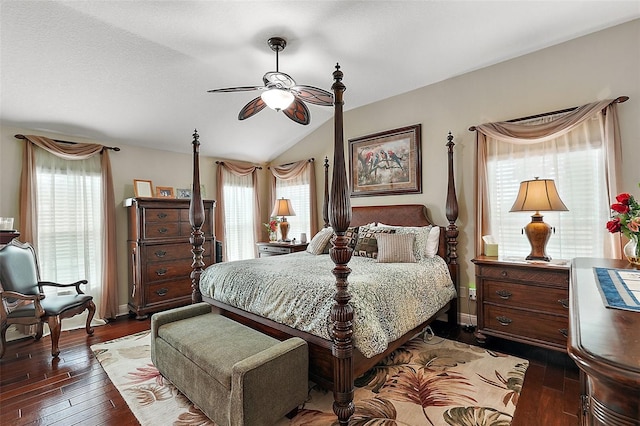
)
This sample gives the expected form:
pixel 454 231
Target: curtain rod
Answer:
pixel 310 160
pixel 618 100
pixel 222 162
pixel 115 148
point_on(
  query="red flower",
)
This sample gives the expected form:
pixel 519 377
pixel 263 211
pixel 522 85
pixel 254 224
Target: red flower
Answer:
pixel 613 226
pixel 623 199
pixel 620 208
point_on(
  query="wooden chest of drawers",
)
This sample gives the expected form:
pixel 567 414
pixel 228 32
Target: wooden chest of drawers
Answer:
pixel 160 252
pixel 526 302
pixel 276 249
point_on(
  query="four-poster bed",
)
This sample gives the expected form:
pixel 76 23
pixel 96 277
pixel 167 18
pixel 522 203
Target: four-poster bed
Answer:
pixel 334 363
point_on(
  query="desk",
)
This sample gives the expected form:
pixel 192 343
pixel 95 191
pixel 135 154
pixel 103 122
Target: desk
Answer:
pixel 605 343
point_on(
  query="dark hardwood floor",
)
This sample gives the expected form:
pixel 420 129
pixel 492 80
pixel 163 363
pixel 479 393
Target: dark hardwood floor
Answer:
pixel 74 389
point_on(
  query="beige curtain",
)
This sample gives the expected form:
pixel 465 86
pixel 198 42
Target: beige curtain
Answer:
pixel 520 133
pixel 239 170
pixel 28 209
pixel 294 170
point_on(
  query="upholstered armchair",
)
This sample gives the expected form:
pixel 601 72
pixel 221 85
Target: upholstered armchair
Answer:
pixel 24 302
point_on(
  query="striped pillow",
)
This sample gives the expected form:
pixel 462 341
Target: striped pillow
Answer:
pixel 319 241
pixel 396 248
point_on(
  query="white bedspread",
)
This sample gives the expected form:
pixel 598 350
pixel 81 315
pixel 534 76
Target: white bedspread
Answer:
pixel 389 299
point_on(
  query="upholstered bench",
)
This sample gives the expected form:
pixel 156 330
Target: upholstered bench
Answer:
pixel 234 374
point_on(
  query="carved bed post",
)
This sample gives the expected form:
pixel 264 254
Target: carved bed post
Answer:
pixel 342 311
pixel 452 232
pixel 325 203
pixel 196 219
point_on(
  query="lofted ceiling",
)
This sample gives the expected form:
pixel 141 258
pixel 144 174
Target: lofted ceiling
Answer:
pixel 137 72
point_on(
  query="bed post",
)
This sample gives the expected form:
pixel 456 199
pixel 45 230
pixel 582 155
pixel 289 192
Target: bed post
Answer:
pixel 196 219
pixel 342 311
pixel 325 202
pixel 452 233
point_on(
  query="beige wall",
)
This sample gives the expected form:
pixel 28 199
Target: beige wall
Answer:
pixel 598 66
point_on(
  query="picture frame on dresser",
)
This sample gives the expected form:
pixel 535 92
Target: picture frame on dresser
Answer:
pixel 164 192
pixel 142 188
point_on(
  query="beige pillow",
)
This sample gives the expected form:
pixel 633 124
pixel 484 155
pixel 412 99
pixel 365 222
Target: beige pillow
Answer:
pixel 395 248
pixel 320 240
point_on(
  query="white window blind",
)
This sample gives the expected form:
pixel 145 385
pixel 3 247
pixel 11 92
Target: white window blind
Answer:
pixel 298 191
pixel 575 162
pixel 238 215
pixel 69 223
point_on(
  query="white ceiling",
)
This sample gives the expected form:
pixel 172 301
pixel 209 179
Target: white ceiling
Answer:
pixel 137 72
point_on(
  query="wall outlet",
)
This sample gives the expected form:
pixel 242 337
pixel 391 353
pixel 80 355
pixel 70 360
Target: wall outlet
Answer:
pixel 472 294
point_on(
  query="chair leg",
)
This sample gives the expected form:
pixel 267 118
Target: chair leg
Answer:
pixel 39 330
pixel 92 312
pixel 55 326
pixel 3 341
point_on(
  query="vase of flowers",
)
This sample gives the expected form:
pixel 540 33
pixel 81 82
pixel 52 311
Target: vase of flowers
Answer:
pixel 272 228
pixel 626 219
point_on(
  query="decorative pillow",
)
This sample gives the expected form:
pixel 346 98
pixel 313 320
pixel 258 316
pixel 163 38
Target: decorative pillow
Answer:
pixel 432 242
pixel 367 245
pixel 421 237
pixel 351 233
pixel 395 248
pixel 320 240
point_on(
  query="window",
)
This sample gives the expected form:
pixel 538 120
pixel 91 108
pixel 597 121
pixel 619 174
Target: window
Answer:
pixel 239 210
pixel 576 162
pixel 298 190
pixel 69 223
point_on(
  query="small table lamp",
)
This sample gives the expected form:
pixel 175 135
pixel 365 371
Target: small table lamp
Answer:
pixel 283 208
pixel 538 195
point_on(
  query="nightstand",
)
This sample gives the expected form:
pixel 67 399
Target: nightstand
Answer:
pixel 276 249
pixel 523 301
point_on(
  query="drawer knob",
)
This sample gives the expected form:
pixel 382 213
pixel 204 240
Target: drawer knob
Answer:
pixel 162 291
pixel 503 273
pixel 162 215
pixel 503 294
pixel 504 320
pixel 161 272
pixel 163 230
pixel 564 332
pixel 564 303
pixel 160 253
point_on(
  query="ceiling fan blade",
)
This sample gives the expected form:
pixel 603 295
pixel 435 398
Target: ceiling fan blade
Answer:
pixel 252 108
pixel 298 112
pixel 313 95
pixel 236 89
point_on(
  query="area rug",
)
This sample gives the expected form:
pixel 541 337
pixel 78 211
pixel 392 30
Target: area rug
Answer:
pixel 425 382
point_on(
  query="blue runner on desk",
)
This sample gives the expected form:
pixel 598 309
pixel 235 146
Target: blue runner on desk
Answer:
pixel 620 288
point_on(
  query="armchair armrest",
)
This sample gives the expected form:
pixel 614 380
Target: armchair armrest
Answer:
pixel 36 298
pixel 51 284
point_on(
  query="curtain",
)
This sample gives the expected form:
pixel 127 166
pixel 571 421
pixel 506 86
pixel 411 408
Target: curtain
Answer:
pixel 300 173
pixel 226 172
pixel 108 296
pixel 552 140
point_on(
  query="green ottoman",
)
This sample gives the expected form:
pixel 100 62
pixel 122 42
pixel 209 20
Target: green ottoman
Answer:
pixel 234 374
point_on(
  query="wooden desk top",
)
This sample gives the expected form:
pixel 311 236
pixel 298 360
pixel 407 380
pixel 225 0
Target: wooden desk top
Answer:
pixel 603 341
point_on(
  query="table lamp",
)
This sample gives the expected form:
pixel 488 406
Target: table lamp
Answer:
pixel 283 208
pixel 538 195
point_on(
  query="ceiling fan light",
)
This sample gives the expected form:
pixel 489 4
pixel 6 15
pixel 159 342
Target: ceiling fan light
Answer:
pixel 277 99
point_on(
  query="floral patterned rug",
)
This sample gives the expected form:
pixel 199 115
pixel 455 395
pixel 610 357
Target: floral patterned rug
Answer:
pixel 425 382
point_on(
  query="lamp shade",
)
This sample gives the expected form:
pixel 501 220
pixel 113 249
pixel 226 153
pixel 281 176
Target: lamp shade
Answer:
pixel 277 99
pixel 538 195
pixel 283 208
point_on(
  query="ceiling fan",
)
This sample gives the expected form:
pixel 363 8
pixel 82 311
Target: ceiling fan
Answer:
pixel 281 93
